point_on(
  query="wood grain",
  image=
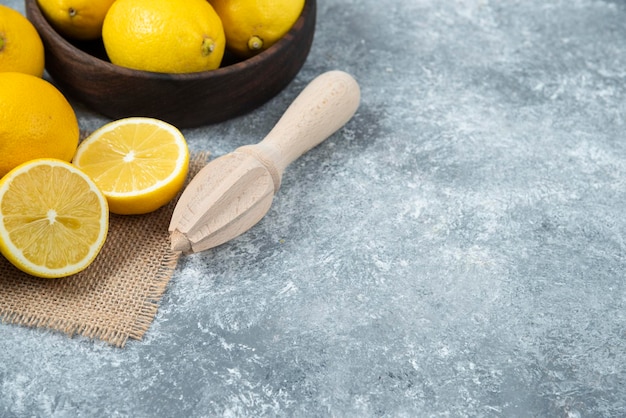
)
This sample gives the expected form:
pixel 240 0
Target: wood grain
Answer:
pixel 232 193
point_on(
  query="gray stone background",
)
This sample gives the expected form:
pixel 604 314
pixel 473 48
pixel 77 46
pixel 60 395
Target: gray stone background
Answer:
pixel 457 250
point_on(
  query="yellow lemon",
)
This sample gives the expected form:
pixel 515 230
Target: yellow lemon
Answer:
pixel 36 121
pixel 252 26
pixel 140 164
pixel 53 218
pixel 166 36
pixel 21 49
pixel 76 19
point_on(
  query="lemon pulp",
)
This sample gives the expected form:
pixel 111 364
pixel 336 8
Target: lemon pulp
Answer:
pixel 53 218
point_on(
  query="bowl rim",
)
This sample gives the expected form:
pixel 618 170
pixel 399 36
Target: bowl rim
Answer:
pixel 42 24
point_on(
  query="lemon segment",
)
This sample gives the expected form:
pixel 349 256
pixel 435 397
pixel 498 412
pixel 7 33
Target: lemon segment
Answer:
pixel 140 164
pixel 53 218
pixel 21 48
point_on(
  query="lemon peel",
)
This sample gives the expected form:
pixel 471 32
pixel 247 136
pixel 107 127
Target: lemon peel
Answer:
pixel 21 48
pixel 76 19
pixel 37 121
pixel 160 36
pixel 252 26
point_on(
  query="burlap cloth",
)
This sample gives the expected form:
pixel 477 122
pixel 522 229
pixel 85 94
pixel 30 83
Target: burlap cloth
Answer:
pixel 116 297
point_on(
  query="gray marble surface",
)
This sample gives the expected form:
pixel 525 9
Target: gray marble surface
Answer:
pixel 457 250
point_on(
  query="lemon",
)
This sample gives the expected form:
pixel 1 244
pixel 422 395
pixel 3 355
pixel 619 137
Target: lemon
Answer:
pixel 21 49
pixel 76 19
pixel 164 36
pixel 53 218
pixel 140 164
pixel 252 26
pixel 36 121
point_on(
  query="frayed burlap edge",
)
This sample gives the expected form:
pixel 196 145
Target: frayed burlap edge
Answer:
pixel 149 306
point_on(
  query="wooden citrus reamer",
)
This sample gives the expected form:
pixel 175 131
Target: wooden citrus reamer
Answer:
pixel 233 192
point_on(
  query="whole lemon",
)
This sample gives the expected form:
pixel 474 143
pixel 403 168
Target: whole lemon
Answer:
pixel 76 19
pixel 252 26
pixel 36 121
pixel 166 36
pixel 21 48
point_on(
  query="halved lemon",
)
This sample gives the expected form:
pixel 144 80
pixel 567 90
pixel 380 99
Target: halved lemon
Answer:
pixel 140 164
pixel 53 218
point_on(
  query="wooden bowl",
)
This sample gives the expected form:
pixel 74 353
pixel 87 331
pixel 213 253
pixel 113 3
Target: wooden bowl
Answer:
pixel 82 71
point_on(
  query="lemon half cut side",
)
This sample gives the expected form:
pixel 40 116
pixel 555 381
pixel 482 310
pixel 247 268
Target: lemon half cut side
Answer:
pixel 139 163
pixel 53 218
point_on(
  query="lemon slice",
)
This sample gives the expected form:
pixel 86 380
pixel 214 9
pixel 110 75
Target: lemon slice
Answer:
pixel 140 164
pixel 53 218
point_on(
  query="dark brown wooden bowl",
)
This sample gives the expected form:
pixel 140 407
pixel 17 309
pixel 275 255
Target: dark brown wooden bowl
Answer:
pixel 82 71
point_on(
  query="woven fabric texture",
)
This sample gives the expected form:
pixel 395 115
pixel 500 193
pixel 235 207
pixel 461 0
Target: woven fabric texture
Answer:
pixel 116 297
